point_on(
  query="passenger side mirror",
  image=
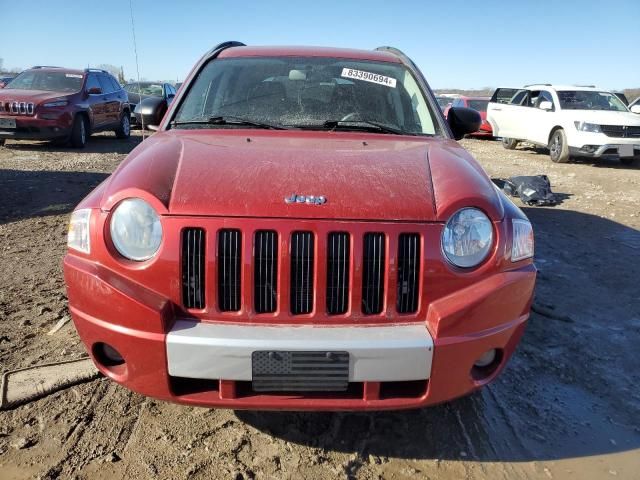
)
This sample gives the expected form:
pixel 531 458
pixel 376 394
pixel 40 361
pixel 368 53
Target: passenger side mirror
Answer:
pixel 546 105
pixel 94 91
pixel 462 121
pixel 635 109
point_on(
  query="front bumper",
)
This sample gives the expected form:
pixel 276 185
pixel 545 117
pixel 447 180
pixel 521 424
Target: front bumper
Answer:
pixel 392 366
pixel 609 150
pixel 36 128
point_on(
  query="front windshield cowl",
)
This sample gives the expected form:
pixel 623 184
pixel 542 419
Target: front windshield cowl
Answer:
pixel 311 93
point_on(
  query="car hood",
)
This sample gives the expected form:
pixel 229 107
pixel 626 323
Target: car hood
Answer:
pixel 30 96
pixel 604 117
pixel 249 173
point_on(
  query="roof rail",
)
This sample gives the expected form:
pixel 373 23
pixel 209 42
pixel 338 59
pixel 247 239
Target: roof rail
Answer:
pixel 44 66
pixel 95 70
pixel 533 84
pixel 585 86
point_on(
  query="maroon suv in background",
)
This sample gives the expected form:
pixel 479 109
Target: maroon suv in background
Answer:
pixel 64 105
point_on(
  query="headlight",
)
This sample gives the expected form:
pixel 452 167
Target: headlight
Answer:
pixel 136 231
pixel 467 238
pixel 522 246
pixel 57 103
pixel 587 127
pixel 78 235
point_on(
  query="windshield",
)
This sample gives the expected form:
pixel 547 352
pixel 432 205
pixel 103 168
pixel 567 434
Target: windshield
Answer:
pixel 150 89
pixel 590 100
pixel 310 93
pixel 48 81
pixel 479 105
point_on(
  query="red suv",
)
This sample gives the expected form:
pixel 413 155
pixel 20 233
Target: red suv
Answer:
pixel 52 103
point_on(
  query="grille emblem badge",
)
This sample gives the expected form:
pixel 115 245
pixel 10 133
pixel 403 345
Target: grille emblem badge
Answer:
pixel 308 199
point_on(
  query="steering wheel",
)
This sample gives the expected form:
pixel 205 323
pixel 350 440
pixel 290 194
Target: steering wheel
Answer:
pixel 349 116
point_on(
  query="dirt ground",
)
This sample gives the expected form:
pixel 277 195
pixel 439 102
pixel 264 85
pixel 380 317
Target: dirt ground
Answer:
pixel 567 406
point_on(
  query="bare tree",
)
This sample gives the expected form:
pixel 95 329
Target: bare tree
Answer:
pixel 112 69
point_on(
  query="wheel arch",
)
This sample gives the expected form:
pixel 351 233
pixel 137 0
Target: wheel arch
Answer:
pixel 553 130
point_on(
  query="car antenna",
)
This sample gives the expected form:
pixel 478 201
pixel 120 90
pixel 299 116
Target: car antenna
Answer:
pixel 135 51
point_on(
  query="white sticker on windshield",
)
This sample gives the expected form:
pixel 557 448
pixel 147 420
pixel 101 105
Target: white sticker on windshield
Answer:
pixel 369 77
pixel 72 75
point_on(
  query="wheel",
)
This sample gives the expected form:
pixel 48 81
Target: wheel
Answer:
pixel 2 140
pixel 78 138
pixel 509 143
pixel 124 130
pixel 558 148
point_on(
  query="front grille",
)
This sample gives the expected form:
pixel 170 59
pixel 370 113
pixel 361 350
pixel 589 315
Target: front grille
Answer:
pixel 229 270
pixel 408 269
pixel 193 252
pixel 358 275
pixel 19 108
pixel 373 266
pixel 338 273
pixel 301 281
pixel 265 273
pixel 620 131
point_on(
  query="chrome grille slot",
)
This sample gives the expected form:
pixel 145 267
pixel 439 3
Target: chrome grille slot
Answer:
pixel 338 273
pixel 373 269
pixel 229 270
pixel 301 281
pixel 408 272
pixel 193 267
pixel 265 271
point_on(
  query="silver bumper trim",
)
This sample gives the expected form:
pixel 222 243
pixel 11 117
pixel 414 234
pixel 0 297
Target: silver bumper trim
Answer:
pixel 223 351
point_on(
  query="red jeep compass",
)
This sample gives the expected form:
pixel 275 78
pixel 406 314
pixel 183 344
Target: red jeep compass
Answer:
pixel 303 233
pixel 51 103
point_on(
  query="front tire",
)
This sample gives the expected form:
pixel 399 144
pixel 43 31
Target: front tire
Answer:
pixel 79 133
pixel 124 130
pixel 558 147
pixel 2 140
pixel 509 143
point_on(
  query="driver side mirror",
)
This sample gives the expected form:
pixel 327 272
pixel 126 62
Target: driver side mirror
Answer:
pixel 635 109
pixel 463 120
pixel 94 91
pixel 546 105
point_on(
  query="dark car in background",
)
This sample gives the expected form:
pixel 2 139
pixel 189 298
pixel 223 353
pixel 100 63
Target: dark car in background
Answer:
pixel 64 105
pixel 478 104
pixel 149 101
pixel 4 81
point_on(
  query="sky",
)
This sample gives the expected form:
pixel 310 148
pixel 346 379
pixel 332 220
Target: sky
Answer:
pixel 456 44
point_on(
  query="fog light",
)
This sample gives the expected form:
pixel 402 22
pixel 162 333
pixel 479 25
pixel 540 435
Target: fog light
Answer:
pixel 486 359
pixel 107 355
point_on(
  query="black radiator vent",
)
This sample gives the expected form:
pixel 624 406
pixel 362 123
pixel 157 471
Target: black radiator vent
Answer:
pixel 229 270
pixel 193 251
pixel 338 273
pixel 408 272
pixel 302 254
pixel 373 273
pixel 265 275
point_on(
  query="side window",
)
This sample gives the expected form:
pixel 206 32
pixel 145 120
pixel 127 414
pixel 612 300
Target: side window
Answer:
pixel 506 95
pixel 532 100
pixel 457 103
pixel 92 82
pixel 114 83
pixel 105 83
pixel 519 98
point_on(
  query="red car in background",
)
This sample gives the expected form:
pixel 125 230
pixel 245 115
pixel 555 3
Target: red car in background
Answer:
pixel 478 104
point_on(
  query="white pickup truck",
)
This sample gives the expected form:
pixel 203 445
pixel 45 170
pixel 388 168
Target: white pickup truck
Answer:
pixel 571 121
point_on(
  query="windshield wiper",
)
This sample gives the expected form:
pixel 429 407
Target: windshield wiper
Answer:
pixel 230 120
pixel 364 124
